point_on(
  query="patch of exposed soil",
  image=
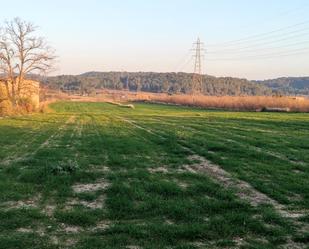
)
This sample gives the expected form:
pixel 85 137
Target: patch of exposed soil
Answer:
pixel 71 229
pixel 133 247
pixel 102 225
pixel 90 187
pixel 244 190
pixel 49 210
pixel 96 204
pixel 24 230
pixel 29 203
pixel 158 170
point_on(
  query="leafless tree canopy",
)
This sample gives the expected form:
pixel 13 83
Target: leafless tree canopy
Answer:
pixel 22 53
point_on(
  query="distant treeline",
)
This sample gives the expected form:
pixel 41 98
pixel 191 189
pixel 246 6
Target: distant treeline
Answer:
pixel 288 85
pixel 172 83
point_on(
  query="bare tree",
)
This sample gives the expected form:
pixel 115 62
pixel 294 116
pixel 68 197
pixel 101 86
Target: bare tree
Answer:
pixel 22 53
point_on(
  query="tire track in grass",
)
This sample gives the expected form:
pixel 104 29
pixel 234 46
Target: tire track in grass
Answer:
pixel 9 161
pixel 244 190
pixel 100 184
pixel 247 145
pixel 49 208
pixel 43 145
pixel 95 125
pixel 25 141
pixel 67 230
pixel 249 194
pixel 133 123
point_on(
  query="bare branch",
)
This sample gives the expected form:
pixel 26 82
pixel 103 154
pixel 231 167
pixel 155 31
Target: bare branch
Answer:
pixel 23 53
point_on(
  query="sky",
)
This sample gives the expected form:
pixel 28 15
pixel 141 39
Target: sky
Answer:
pixel 256 39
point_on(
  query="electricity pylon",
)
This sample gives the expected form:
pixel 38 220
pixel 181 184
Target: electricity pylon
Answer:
pixel 197 79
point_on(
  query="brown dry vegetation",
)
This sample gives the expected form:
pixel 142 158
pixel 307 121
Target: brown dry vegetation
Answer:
pixel 27 101
pixel 247 103
pixel 241 103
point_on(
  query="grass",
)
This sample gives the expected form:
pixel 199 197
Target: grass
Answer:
pixel 135 189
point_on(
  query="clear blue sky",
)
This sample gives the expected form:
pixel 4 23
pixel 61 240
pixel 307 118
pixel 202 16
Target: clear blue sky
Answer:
pixel 156 35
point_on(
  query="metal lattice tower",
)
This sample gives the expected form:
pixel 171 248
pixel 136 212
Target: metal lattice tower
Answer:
pixel 197 79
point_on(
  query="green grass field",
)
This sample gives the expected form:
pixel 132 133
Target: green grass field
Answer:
pixel 96 175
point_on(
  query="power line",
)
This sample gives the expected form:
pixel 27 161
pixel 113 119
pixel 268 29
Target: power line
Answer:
pixel 183 61
pixel 266 56
pixel 187 62
pixel 260 46
pixel 248 38
pixel 290 36
pixel 236 51
pixel 282 12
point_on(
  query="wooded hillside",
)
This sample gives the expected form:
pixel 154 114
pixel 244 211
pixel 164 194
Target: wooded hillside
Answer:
pixel 155 82
pixel 288 85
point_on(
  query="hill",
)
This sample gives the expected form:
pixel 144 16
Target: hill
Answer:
pixel 155 82
pixel 288 85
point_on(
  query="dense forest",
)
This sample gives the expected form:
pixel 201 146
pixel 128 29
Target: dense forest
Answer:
pixel 288 85
pixel 171 83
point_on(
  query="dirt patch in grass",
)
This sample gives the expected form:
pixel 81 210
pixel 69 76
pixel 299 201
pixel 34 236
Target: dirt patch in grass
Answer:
pixel 29 203
pixel 133 247
pixel 24 230
pixel 248 193
pixel 158 170
pixel 49 210
pixel 96 204
pixel 243 189
pixel 40 230
pixel 297 171
pixel 102 225
pixel 293 245
pixel 169 222
pixel 90 187
pixel 54 240
pixel 70 229
pixel 181 184
pixel 99 169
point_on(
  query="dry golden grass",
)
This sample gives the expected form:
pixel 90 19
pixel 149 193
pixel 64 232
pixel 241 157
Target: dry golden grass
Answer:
pixel 248 103
pixel 6 108
pixel 241 103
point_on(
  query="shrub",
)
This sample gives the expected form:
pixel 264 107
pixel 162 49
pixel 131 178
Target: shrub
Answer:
pixel 44 108
pixel 6 108
pixel 25 104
